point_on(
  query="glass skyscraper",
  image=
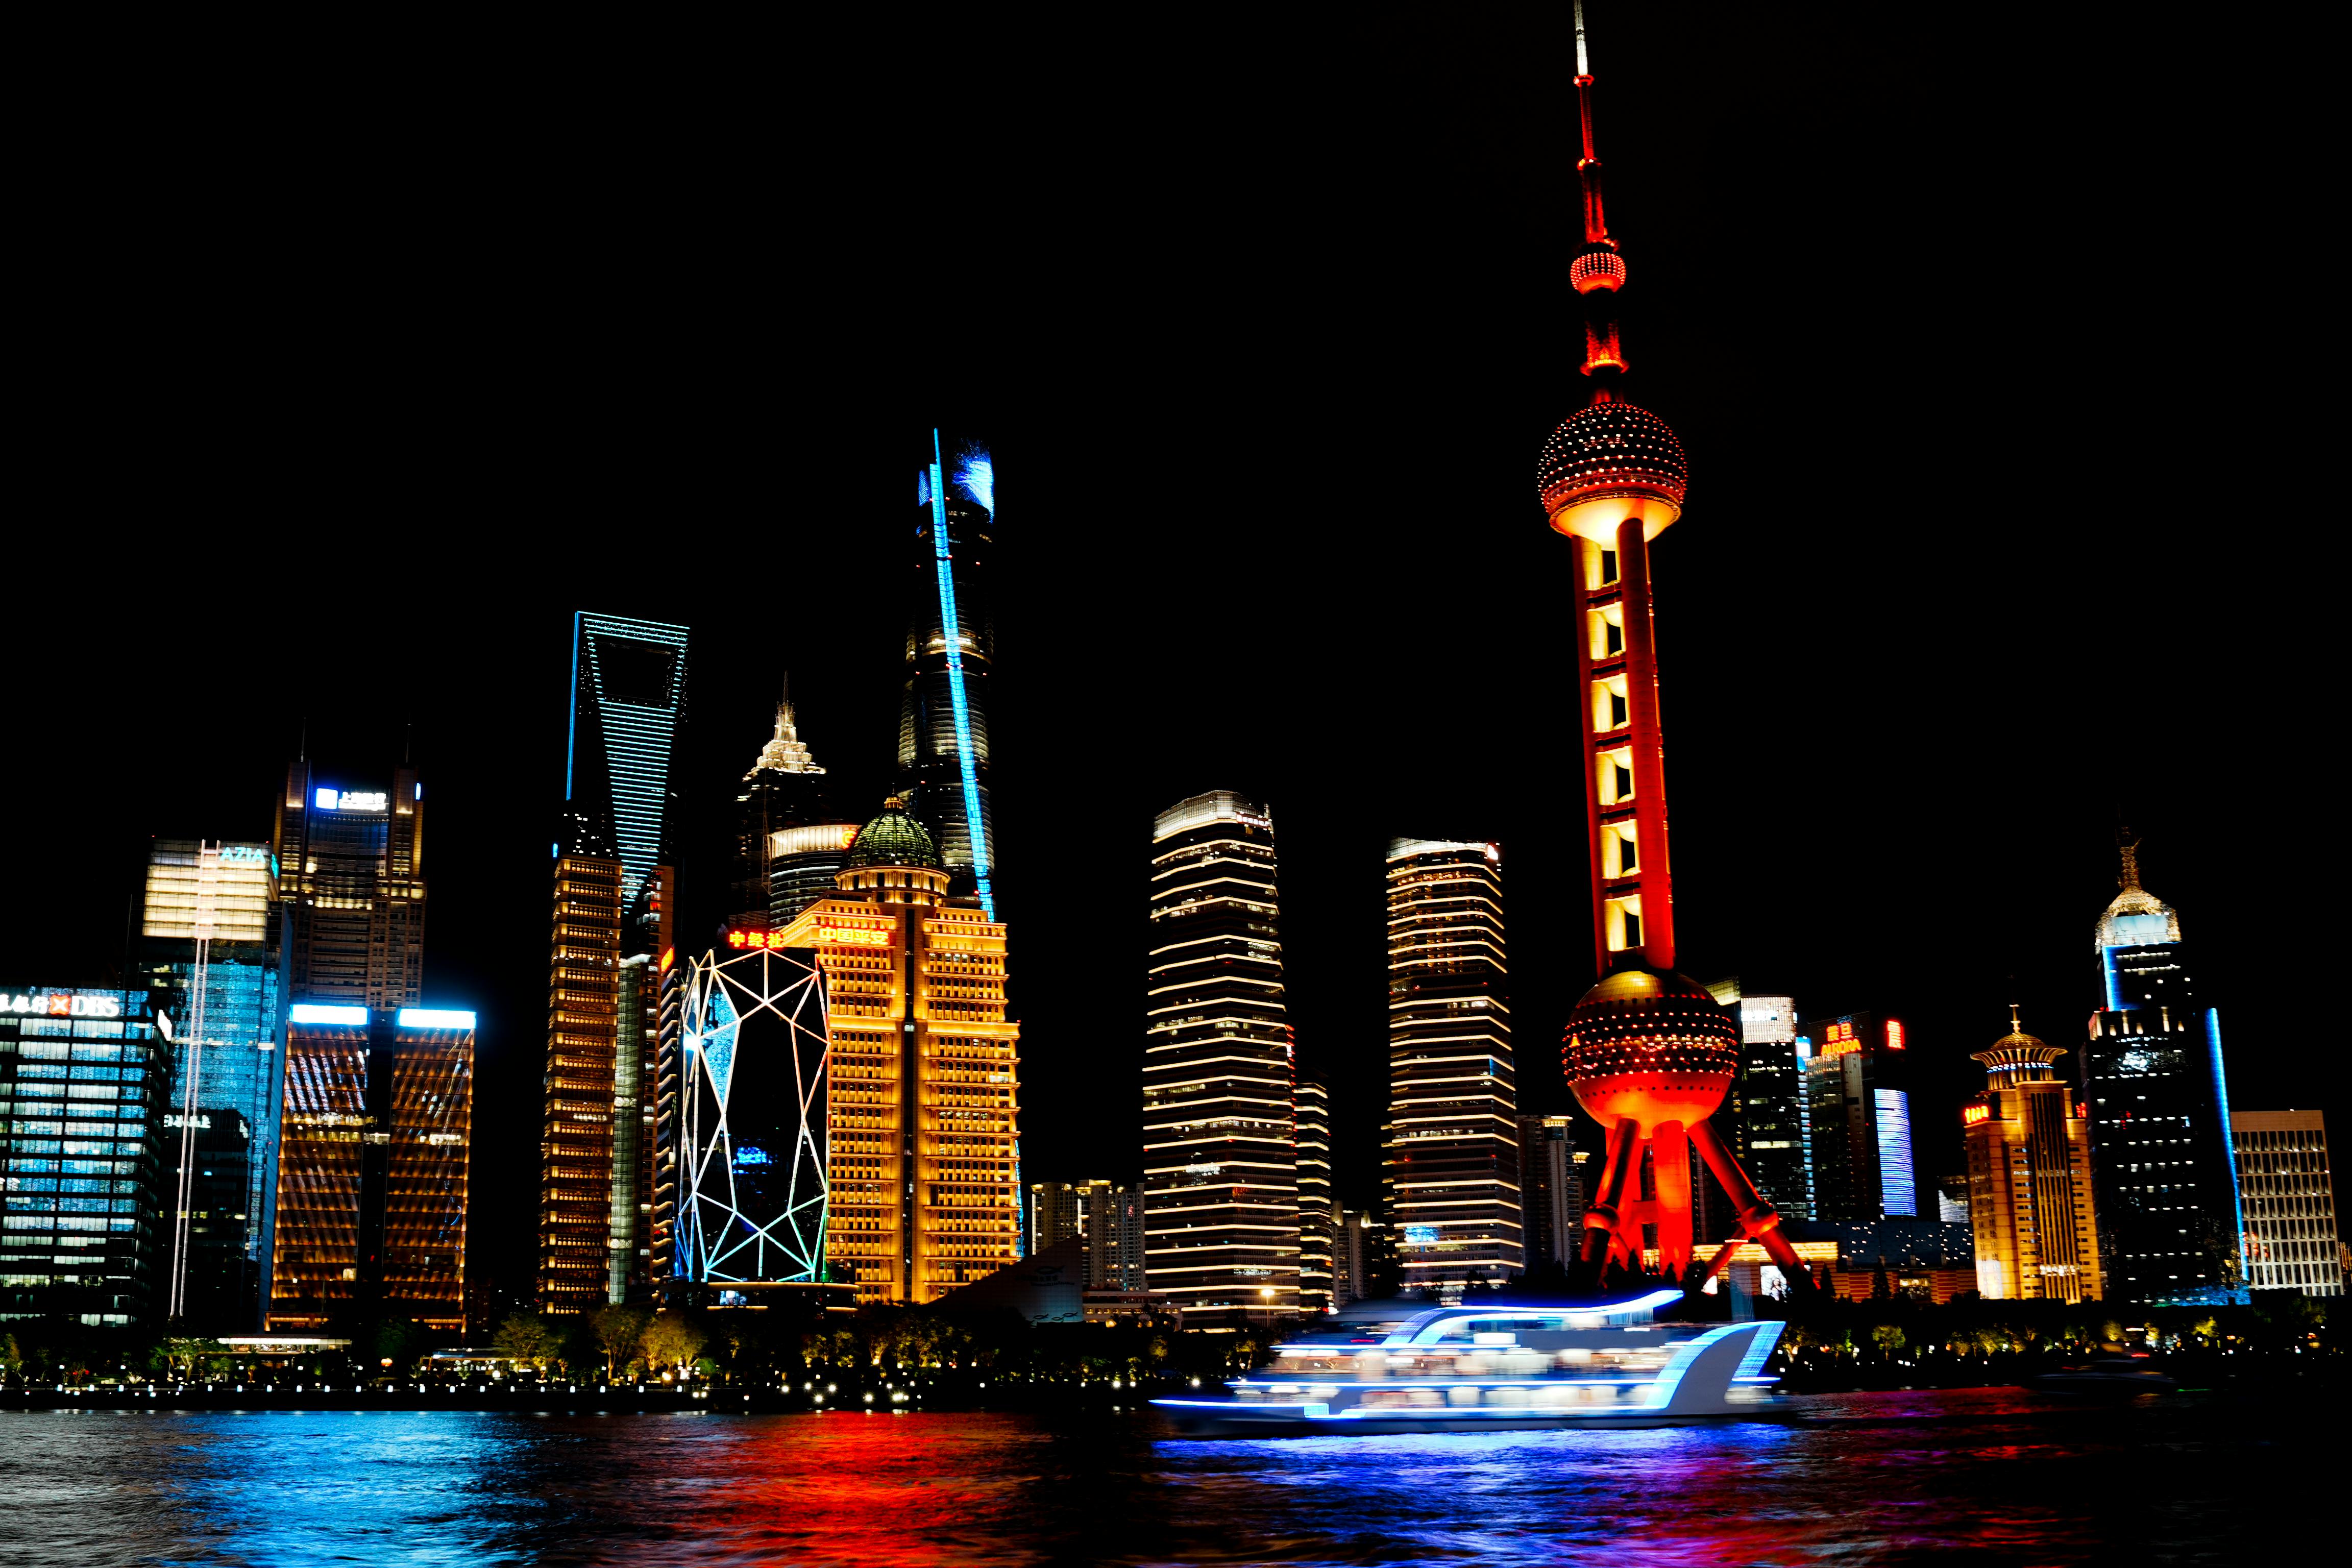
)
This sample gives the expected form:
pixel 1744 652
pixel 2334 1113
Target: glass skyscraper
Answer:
pixel 2165 1174
pixel 1857 1092
pixel 943 706
pixel 1221 1173
pixel 1775 1126
pixel 209 952
pixel 628 702
pixel 84 1233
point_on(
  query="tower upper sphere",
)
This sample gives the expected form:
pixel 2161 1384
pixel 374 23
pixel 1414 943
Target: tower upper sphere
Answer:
pixel 1608 462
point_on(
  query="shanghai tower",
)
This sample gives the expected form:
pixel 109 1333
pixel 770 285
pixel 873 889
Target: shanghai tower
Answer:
pixel 943 706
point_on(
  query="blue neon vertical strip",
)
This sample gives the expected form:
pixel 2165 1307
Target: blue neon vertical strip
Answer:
pixel 952 631
pixel 572 721
pixel 2228 1147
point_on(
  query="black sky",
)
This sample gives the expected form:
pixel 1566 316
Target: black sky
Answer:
pixel 1986 334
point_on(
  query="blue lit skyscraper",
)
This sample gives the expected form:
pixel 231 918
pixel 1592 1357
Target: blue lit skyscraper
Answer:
pixel 2163 1174
pixel 1858 1102
pixel 224 995
pixel 943 741
pixel 628 702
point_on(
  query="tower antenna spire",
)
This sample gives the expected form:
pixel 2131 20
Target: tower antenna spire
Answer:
pixel 1588 167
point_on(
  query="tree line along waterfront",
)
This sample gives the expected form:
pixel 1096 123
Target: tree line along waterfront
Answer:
pixel 911 1356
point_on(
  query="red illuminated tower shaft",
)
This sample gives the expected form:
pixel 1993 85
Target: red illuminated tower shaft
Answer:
pixel 1649 1053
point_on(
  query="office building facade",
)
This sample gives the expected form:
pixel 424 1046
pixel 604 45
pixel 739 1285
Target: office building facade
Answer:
pixel 1452 1175
pixel 1221 1170
pixel 628 709
pixel 82 1073
pixel 2029 1209
pixel 1115 1236
pixel 924 1096
pixel 351 884
pixel 2289 1195
pixel 579 1109
pixel 2152 1072
pixel 375 1158
pixel 1858 1099
pixel 1319 1219
pixel 1552 1191
pixel 1775 1125
pixel 1060 1212
pixel 210 956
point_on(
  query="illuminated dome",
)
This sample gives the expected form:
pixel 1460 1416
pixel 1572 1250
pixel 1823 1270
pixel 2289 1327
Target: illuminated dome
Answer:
pixel 894 838
pixel 1597 266
pixel 1609 463
pixel 1649 1045
pixel 2018 1052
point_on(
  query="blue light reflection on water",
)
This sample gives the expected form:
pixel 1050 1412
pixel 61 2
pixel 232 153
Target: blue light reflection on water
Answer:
pixel 1864 1478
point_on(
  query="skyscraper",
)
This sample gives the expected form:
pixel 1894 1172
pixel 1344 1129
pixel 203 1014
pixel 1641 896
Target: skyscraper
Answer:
pixel 629 705
pixel 1115 1236
pixel 351 874
pixel 1649 1053
pixel 788 848
pixel 1775 1118
pixel 2029 1178
pixel 1318 1219
pixel 1453 1155
pixel 750 1126
pixel 1552 1191
pixel 1057 1211
pixel 1858 1100
pixel 943 738
pixel 1220 1172
pixel 80 1074
pixel 209 953
pixel 578 1121
pixel 373 1164
pixel 2166 1180
pixel 2290 1198
pixel 924 1097
pixel 649 973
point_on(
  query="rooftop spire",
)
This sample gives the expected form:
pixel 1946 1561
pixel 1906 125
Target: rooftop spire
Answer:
pixel 2127 846
pixel 785 753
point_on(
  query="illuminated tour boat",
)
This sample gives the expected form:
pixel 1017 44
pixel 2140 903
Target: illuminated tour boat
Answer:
pixel 1498 1366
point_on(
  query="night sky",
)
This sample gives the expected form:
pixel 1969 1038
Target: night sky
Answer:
pixel 1987 351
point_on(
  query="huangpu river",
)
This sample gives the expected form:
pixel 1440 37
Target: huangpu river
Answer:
pixel 2004 1475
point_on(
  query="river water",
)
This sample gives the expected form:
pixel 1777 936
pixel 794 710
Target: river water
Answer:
pixel 1858 1477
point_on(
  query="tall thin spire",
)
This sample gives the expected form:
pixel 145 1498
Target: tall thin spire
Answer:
pixel 1587 168
pixel 2127 846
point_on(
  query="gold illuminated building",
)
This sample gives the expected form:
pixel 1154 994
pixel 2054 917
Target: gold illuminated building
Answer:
pixel 922 1085
pixel 576 1173
pixel 373 1166
pixel 2029 1148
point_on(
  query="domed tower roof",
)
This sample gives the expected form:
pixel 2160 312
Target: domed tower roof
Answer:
pixel 2138 918
pixel 894 838
pixel 2018 1054
pixel 1608 462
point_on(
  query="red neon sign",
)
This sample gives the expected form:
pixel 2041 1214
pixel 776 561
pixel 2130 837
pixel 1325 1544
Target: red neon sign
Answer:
pixel 754 939
pixel 1973 1114
pixel 1894 1034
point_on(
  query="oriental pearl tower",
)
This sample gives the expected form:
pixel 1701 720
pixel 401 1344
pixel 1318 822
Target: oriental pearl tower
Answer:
pixel 1648 1053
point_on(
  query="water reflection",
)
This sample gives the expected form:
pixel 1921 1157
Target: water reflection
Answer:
pixel 2008 1475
